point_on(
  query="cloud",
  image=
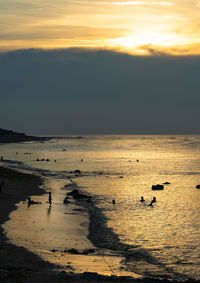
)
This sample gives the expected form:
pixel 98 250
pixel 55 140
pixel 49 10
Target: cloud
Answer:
pixel 144 3
pixel 99 91
pixel 176 50
pixel 62 32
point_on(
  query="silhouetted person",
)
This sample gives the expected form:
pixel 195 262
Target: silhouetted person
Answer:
pixel 1 186
pixel 113 201
pixel 154 199
pixel 30 201
pixel 151 203
pixel 50 198
pixel 81 159
pixel 1 158
pixel 142 199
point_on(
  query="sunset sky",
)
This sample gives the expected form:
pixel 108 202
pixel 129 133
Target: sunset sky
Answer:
pixel 137 27
pixel 87 66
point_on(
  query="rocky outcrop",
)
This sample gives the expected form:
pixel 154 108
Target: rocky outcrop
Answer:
pixel 7 136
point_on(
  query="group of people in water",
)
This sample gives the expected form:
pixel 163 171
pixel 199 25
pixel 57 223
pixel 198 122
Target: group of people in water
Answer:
pixel 151 203
pixel 76 195
pixel 141 200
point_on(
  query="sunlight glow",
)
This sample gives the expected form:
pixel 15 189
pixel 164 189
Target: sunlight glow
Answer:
pixel 149 37
pixel 144 3
pixel 128 25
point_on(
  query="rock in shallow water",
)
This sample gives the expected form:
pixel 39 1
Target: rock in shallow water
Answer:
pixel 157 187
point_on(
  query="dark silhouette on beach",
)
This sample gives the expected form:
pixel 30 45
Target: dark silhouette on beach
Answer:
pixel 30 201
pixel 1 186
pixel 50 199
pixel 77 195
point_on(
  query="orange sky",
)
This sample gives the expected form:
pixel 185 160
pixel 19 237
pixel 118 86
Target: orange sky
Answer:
pixel 138 27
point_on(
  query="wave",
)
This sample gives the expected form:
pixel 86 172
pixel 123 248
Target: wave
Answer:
pixel 136 258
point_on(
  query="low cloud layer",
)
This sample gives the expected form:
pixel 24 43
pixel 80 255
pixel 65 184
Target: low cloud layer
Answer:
pixel 98 91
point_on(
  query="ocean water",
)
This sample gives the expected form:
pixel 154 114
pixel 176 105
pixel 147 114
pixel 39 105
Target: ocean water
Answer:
pixel 157 241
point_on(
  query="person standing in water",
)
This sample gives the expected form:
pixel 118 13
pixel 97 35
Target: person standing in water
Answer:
pixel 50 199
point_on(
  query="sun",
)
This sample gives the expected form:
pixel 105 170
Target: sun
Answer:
pixel 144 38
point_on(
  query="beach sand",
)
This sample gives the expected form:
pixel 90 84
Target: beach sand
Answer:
pixel 18 264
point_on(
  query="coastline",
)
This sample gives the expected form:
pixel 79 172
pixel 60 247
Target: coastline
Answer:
pixel 17 262
pixel 18 186
pixel 21 265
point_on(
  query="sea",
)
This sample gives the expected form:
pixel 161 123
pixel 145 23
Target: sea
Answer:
pixel 160 240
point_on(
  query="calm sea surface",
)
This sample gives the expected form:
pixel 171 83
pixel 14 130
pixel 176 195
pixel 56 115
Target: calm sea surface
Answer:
pixel 159 240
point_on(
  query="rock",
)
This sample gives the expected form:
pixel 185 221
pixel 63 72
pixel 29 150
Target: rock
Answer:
pixel 166 183
pixel 89 251
pixel 77 171
pixel 77 195
pixel 157 187
pixel 198 187
pixel 73 251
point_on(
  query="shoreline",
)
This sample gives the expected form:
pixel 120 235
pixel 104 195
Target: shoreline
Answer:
pixel 18 263
pixel 18 186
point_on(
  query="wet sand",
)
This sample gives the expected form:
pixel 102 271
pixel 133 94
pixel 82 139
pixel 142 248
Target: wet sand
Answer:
pixel 18 264
pixel 14 259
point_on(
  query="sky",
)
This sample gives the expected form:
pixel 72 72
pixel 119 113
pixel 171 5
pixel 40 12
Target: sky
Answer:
pixel 100 67
pixel 171 26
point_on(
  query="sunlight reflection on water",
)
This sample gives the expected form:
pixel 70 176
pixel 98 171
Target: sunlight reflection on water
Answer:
pixel 170 230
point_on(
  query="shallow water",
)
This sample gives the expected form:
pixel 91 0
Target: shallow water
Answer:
pixel 162 240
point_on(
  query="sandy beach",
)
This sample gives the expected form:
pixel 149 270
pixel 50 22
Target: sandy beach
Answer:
pixel 17 264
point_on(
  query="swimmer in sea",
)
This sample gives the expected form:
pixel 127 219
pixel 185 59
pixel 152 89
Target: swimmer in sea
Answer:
pixel 142 199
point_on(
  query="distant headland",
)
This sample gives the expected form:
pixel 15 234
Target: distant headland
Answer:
pixel 7 136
